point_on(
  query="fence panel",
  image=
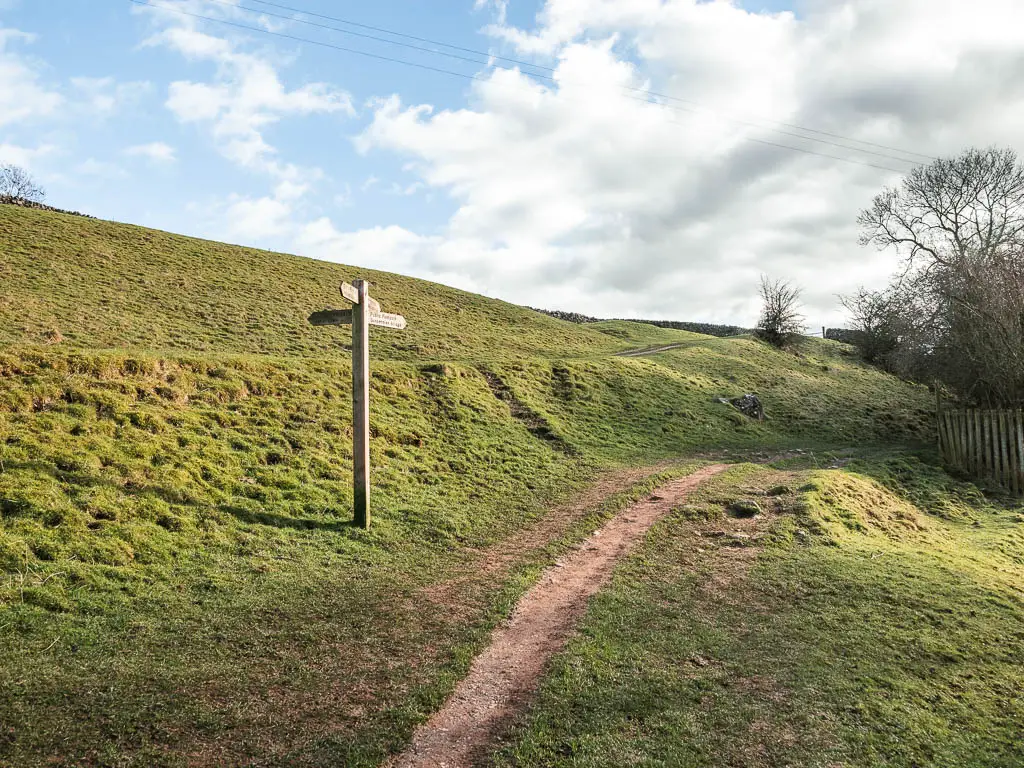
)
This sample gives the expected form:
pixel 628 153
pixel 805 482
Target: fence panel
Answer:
pixel 985 444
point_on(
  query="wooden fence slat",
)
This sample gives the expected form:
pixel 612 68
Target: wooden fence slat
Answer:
pixel 1011 419
pixel 987 443
pixel 966 461
pixel 961 440
pixel 1009 438
pixel 996 448
pixel 1020 450
pixel 996 460
pixel 986 424
pixel 1011 459
pixel 951 434
pixel 940 419
pixel 993 422
pixel 1004 453
pixel 954 437
pixel 979 468
pixel 1004 447
pixel 969 421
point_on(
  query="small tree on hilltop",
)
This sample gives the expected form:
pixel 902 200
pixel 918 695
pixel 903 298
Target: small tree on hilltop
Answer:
pixel 876 324
pixel 781 322
pixel 17 183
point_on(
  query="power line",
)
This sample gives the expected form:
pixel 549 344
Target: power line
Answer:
pixel 548 78
pixel 638 91
pixel 476 77
pixel 401 34
pixel 305 40
pixel 489 56
pixel 374 37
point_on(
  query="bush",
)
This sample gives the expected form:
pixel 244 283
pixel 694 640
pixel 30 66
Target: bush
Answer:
pixel 781 322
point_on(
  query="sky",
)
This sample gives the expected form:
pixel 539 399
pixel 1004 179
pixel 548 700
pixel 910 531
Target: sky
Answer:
pixel 619 158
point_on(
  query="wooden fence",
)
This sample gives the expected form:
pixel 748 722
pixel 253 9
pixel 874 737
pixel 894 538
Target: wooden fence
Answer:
pixel 985 444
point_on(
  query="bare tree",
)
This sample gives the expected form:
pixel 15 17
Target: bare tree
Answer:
pixel 18 184
pixel 957 308
pixel 875 323
pixel 781 322
pixel 952 210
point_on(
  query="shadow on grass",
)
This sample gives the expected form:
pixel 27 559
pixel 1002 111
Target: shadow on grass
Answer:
pixel 283 521
pixel 12 507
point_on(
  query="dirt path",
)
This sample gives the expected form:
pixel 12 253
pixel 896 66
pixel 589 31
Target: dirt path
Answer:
pixel 504 675
pixel 495 561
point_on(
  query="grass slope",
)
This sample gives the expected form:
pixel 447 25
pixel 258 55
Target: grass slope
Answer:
pixel 859 629
pixel 178 580
pixel 98 284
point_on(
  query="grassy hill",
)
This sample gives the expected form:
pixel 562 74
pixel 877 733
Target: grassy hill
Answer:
pixel 871 616
pixel 97 285
pixel 180 584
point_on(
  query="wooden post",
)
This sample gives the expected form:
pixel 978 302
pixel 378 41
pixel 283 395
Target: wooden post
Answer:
pixel 361 408
pixel 364 313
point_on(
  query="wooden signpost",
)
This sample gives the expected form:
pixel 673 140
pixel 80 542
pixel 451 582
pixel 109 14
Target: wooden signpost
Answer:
pixel 364 313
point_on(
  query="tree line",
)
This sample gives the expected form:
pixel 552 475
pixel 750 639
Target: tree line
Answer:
pixel 953 313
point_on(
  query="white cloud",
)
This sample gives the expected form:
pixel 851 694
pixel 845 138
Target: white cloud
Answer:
pixel 500 8
pixel 246 95
pixel 25 157
pixel 157 152
pixel 22 96
pixel 103 96
pixel 252 220
pixel 99 168
pixel 627 208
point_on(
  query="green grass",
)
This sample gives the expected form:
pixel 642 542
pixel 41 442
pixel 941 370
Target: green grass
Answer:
pixel 178 576
pixel 861 630
pixel 640 335
pixel 98 285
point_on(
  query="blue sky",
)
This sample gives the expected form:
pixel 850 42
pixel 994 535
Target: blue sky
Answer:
pixel 575 194
pixel 104 39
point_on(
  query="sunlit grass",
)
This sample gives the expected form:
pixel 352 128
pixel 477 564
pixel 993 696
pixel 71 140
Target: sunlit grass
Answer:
pixel 177 572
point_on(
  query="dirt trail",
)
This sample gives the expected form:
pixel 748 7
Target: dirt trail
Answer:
pixel 504 675
pixel 495 561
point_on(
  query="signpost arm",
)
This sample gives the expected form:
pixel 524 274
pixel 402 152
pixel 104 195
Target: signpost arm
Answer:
pixel 361 408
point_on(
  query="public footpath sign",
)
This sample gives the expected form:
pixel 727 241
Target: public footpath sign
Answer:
pixel 364 313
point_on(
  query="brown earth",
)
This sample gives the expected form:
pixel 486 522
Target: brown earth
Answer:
pixel 506 673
